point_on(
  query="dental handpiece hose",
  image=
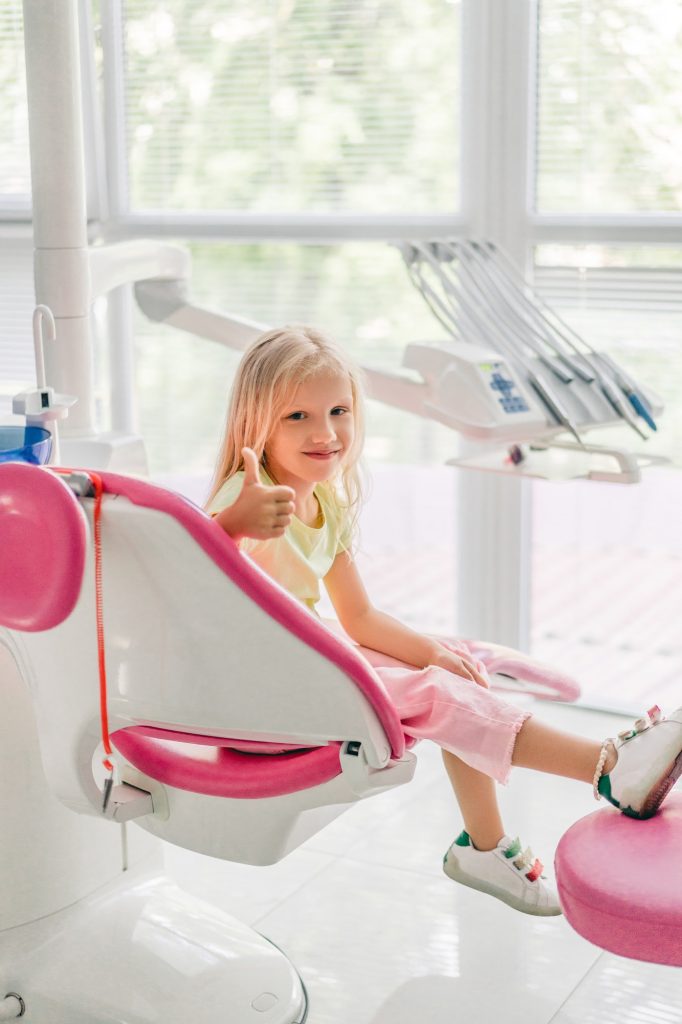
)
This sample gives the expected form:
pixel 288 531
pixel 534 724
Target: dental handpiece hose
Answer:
pixel 502 343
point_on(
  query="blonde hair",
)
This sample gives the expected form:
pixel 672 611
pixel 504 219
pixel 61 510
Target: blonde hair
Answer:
pixel 270 370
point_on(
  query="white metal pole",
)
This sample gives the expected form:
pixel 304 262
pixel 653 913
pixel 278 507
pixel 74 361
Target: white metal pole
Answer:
pixel 62 276
pixel 493 522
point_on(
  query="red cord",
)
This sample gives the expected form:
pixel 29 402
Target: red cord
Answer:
pixel 96 481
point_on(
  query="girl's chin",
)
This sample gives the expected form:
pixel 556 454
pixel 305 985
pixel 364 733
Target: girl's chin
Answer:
pixel 321 469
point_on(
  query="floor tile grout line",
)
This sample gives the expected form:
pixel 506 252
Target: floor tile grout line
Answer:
pixel 334 857
pixel 575 988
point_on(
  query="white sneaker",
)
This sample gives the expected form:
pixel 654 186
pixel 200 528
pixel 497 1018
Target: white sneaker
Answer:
pixel 648 766
pixel 508 874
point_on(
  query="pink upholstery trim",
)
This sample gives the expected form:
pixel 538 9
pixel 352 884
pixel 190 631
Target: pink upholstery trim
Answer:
pixel 43 542
pixel 203 766
pixel 250 746
pixel 532 677
pixel 618 881
pixel 264 592
pixel 526 674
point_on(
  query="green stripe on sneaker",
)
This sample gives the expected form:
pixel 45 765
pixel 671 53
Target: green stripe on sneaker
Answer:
pixel 604 787
pixel 463 839
pixel 515 848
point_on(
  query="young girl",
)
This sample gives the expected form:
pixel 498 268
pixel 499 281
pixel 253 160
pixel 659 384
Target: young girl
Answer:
pixel 287 489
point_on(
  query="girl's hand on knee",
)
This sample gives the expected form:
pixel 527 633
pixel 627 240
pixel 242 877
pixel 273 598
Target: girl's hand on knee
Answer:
pixel 260 511
pixel 460 666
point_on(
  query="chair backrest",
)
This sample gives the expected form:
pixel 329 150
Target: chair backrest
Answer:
pixel 198 640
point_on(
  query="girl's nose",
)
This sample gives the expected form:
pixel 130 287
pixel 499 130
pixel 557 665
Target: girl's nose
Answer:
pixel 324 431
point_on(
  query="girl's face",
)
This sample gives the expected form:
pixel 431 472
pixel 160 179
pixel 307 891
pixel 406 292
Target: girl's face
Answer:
pixel 314 431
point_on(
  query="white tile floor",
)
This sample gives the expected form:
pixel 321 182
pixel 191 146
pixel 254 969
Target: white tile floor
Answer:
pixel 381 936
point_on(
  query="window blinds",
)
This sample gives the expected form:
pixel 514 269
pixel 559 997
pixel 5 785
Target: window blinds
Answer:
pixel 17 300
pixel 627 302
pixel 609 115
pixel 655 290
pixel 15 170
pixel 312 105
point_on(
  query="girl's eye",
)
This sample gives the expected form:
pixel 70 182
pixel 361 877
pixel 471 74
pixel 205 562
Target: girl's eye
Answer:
pixel 338 410
pixel 295 416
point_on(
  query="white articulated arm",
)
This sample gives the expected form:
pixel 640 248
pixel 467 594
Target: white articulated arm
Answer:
pixel 166 301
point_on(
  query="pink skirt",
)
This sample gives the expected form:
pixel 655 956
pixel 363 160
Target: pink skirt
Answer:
pixel 457 714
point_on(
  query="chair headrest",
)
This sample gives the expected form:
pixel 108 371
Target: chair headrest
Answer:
pixel 43 543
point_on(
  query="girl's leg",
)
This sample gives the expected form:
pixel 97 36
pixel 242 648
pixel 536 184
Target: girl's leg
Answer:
pixel 537 746
pixel 476 795
pixel 475 792
pixel 545 749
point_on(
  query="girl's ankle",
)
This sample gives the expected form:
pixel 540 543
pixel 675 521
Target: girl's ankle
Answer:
pixel 484 845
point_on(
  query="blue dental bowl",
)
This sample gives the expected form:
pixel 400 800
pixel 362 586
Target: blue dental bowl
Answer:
pixel 25 444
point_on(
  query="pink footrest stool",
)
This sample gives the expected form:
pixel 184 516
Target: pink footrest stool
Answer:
pixel 620 882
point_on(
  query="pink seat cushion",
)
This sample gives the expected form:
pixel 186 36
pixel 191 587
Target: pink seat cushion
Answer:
pixel 619 882
pixel 205 764
pixel 43 540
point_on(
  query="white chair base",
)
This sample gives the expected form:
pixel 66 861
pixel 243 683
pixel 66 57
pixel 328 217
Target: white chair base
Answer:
pixel 140 951
pixel 84 942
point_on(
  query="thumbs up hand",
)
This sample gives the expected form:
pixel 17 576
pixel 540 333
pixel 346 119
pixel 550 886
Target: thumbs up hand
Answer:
pixel 260 511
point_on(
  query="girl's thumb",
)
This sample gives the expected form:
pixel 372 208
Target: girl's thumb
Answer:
pixel 251 473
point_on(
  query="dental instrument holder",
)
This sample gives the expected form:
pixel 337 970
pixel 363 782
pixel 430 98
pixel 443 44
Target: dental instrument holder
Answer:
pixel 41 405
pixel 511 375
pixel 475 392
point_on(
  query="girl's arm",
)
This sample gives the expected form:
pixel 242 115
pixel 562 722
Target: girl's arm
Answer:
pixel 372 628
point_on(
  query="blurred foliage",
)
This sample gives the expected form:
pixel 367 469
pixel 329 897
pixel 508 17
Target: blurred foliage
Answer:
pixel 307 105
pixel 610 106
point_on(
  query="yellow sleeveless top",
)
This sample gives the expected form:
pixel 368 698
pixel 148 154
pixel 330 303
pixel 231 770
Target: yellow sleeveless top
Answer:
pixel 303 555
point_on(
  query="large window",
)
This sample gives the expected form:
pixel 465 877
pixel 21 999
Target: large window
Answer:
pixel 311 107
pixel 607 559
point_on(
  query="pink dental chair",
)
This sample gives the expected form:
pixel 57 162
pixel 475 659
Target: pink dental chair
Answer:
pixel 240 724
